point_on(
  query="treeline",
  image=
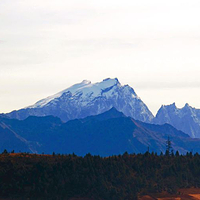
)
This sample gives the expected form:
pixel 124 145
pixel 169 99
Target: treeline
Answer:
pixel 122 177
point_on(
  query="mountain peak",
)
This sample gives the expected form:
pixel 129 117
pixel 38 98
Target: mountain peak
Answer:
pixel 85 99
pixel 113 111
pixel 173 105
pixel 186 119
pixel 170 106
pixel 86 82
pixel 85 88
pixel 109 114
pixel 187 105
pixel 110 82
pixel 114 80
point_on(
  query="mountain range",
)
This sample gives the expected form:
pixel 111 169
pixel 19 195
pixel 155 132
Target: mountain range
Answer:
pixel 85 99
pixel 109 133
pixel 102 118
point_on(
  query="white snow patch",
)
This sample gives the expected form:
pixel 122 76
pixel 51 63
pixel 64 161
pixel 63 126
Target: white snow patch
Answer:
pixel 85 88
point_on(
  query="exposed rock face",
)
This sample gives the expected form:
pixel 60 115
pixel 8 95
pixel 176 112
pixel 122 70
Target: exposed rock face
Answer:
pixel 186 119
pixel 85 99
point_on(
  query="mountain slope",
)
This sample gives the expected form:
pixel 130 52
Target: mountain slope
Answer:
pixel 10 140
pixel 85 99
pixel 186 119
pixel 109 133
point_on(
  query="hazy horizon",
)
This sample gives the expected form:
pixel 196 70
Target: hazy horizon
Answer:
pixel 47 46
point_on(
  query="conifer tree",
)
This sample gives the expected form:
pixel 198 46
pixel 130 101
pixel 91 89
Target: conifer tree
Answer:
pixel 168 147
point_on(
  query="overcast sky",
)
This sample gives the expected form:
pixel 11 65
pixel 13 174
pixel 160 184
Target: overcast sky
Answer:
pixel 152 45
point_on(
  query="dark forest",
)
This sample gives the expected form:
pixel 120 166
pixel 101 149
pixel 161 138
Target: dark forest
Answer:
pixel 127 176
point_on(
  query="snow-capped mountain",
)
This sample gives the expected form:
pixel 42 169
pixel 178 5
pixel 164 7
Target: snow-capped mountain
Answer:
pixel 85 99
pixel 186 119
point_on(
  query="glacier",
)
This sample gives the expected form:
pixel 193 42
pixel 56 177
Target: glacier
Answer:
pixel 85 99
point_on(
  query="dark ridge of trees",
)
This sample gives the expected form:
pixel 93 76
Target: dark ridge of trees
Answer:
pixel 169 150
pixel 122 177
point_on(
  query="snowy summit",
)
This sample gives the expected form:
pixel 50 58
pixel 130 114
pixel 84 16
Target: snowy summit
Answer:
pixel 85 99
